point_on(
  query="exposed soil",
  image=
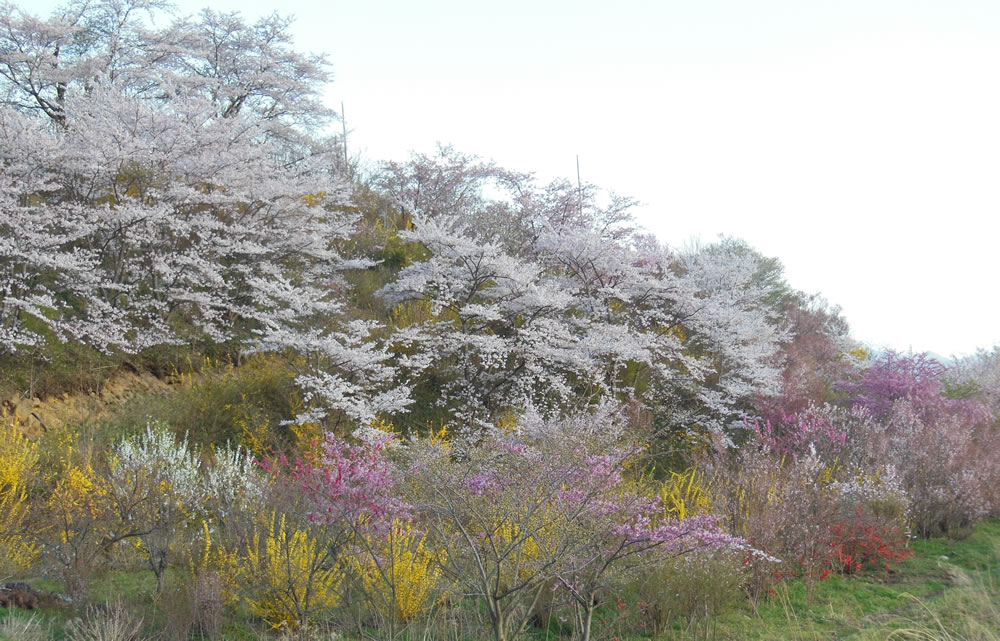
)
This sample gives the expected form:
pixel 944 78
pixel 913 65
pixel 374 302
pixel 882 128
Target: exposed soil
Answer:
pixel 37 415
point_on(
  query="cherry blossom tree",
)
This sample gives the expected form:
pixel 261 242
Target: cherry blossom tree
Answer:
pixel 450 182
pixel 567 301
pixel 169 185
pixel 978 374
pixel 492 316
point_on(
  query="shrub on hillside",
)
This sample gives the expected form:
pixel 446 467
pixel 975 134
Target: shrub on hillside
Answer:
pixel 801 492
pixel 79 510
pixel 948 463
pixel 942 443
pixel 18 468
pixel 701 585
pixel 155 490
pixel 297 557
pixel 545 502
pixel 245 405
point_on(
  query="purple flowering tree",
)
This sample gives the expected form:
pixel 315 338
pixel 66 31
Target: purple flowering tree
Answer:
pixel 918 379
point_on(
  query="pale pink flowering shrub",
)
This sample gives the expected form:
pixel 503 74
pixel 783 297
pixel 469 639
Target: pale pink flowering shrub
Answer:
pixel 949 465
pixel 548 504
pixel 946 451
pixel 918 379
pixel 811 430
pixel 979 375
pixel 800 491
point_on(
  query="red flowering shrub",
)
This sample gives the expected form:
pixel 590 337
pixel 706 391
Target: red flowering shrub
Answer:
pixel 866 541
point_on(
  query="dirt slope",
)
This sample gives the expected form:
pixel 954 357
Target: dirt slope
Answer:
pixel 35 415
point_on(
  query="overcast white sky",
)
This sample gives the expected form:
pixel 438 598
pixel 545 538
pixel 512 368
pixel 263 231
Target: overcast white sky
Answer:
pixel 856 140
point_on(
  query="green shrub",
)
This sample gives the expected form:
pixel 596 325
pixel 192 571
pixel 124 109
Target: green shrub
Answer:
pixel 244 404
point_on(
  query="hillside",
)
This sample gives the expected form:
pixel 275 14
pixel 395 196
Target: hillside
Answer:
pixel 254 392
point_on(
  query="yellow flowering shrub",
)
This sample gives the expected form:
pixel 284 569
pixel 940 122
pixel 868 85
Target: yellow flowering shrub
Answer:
pixel 255 432
pixel 207 555
pixel 414 312
pixel 508 422
pixel 402 583
pixel 687 493
pixel 77 498
pixel 79 512
pixel 18 467
pixel 440 438
pixel 290 574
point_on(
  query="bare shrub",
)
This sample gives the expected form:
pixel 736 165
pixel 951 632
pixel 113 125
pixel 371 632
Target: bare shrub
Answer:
pixel 703 584
pixel 111 622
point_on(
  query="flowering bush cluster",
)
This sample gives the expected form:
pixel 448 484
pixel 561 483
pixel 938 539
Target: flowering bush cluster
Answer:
pixel 841 487
pixel 378 526
pixel 547 506
pixel 800 490
pixel 534 518
pixel 18 463
pixel 865 541
pixel 944 449
pixel 949 465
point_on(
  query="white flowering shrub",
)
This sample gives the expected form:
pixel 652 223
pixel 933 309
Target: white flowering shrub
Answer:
pixel 156 490
pixel 234 482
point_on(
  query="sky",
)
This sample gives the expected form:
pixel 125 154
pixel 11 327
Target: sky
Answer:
pixel 858 141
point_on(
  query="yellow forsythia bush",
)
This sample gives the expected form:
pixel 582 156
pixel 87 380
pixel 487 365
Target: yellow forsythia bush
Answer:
pixel 18 467
pixel 402 584
pixel 687 493
pixel 290 574
pixel 214 559
pixel 78 512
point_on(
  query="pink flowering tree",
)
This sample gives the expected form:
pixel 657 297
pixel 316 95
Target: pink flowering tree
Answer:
pixel 349 488
pixel 977 375
pixel 818 353
pixel 949 464
pixel 618 533
pixel 165 182
pixel 491 507
pixel 549 296
pixel 323 509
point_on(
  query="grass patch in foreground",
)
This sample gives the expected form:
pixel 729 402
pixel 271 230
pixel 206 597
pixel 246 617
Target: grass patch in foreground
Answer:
pixel 948 591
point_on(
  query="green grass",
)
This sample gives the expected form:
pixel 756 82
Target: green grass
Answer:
pixel 947 591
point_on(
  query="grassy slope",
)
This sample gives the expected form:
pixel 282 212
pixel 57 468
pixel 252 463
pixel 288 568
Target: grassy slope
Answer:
pixel 950 589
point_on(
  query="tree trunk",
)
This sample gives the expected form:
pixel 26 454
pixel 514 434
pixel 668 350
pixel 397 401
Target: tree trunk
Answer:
pixel 588 619
pixel 499 623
